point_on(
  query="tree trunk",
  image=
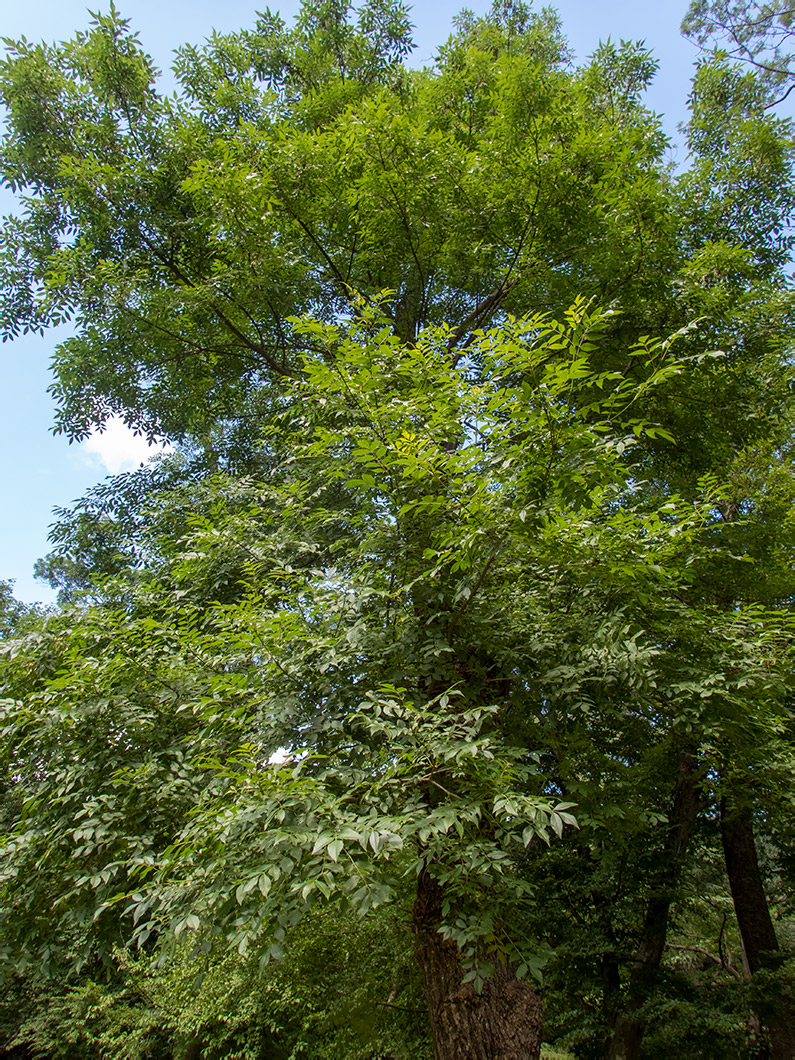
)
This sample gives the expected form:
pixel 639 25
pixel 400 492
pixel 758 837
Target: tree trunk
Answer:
pixel 193 1050
pixel 503 1022
pixel 760 945
pixel 629 1027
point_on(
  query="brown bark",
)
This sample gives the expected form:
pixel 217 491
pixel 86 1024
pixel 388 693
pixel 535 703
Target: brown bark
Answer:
pixel 745 881
pixel 194 1050
pixel 630 1026
pixel 503 1022
pixel 757 934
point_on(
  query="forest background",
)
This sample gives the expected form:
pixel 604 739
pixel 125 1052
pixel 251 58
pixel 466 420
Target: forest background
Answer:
pixel 433 694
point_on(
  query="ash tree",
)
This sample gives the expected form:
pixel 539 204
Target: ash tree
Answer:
pixel 451 573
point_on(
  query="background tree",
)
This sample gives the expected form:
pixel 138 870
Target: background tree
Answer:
pixel 753 33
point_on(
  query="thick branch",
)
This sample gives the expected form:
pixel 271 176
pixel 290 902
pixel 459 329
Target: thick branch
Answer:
pixel 172 266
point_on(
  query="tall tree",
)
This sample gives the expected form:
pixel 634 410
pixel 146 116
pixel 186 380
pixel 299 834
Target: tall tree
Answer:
pixel 296 166
pixel 453 554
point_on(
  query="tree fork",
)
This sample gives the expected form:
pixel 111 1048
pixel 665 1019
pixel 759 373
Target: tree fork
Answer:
pixel 503 1022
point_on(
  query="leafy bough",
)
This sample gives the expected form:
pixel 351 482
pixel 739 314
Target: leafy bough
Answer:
pixel 435 788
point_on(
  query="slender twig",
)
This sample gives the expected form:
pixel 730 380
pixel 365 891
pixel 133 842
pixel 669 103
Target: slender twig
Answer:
pixel 705 953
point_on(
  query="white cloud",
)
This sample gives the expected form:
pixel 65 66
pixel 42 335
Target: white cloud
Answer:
pixel 280 757
pixel 118 449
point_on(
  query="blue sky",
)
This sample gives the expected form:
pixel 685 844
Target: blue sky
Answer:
pixel 41 471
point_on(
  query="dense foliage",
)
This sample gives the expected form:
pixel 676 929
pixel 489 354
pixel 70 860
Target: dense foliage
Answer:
pixel 435 695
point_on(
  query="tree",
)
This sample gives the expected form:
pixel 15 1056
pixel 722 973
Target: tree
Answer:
pixel 11 610
pixel 197 214
pixel 463 562
pixel 392 676
pixel 753 33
